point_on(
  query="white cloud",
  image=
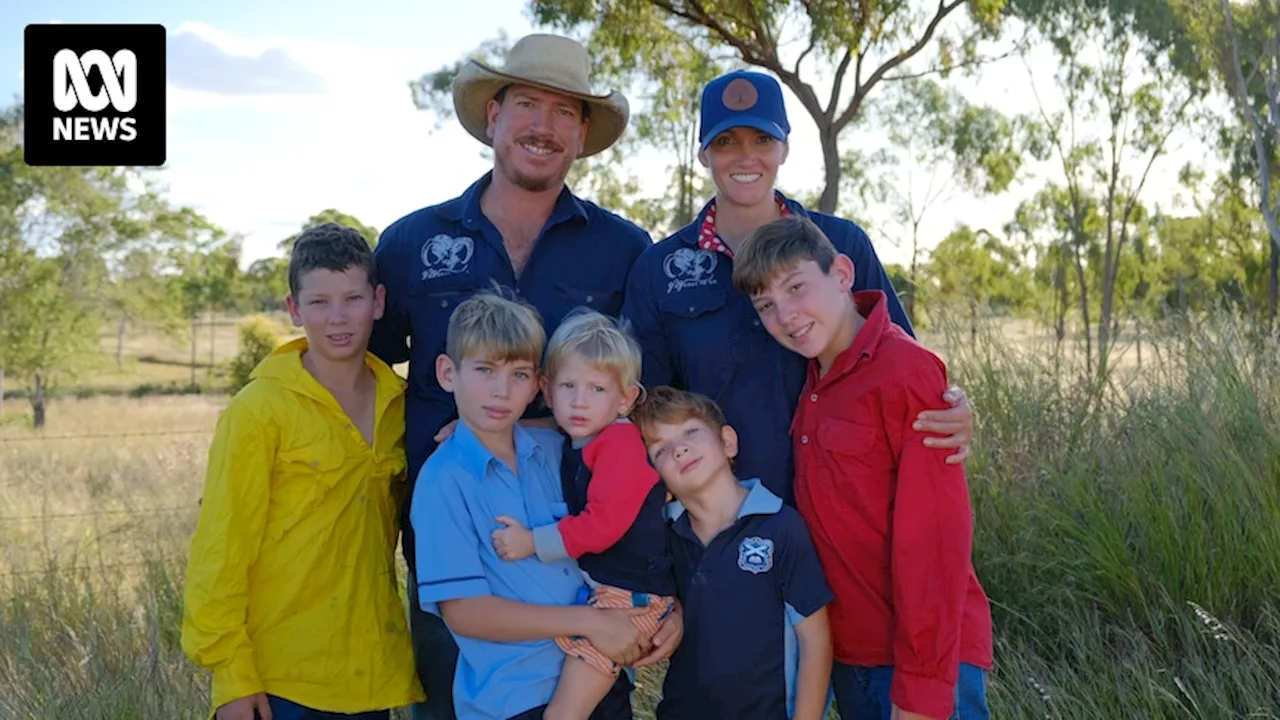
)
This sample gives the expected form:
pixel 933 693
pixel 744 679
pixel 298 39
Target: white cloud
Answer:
pixel 261 164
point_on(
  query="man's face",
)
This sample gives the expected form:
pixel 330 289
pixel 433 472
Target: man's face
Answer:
pixel 744 165
pixel 491 395
pixel 536 135
pixel 336 310
pixel 806 309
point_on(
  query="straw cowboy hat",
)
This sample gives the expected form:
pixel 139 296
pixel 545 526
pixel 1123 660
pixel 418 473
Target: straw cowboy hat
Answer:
pixel 549 62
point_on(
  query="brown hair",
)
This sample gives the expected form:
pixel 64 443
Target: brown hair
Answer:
pixel 495 328
pixel 778 246
pixel 669 406
pixel 329 246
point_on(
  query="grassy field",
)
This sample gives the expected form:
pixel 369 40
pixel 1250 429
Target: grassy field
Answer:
pixel 1127 531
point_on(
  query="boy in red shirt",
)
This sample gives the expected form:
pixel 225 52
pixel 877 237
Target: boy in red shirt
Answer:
pixel 891 520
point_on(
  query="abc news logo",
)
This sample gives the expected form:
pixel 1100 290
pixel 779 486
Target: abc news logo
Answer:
pixel 95 95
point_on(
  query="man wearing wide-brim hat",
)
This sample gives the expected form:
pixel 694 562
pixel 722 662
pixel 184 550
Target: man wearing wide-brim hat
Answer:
pixel 521 226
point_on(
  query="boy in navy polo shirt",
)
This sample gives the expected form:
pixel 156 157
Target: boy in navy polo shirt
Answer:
pixel 757 644
pixel 504 616
pixel 890 517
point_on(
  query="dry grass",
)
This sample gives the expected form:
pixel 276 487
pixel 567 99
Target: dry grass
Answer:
pixel 1128 537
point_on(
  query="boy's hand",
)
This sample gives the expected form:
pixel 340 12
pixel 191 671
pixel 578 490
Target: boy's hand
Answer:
pixel 513 542
pixel 670 632
pixel 444 432
pixel 900 714
pixel 617 637
pixel 244 708
pixel 956 423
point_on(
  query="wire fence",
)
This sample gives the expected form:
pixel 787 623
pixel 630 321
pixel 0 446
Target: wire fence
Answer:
pixel 102 436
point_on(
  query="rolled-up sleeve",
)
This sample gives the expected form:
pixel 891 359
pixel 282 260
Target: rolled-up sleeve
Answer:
pixel 449 564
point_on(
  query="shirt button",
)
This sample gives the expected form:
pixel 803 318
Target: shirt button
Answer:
pixel 755 323
pixel 813 397
pixel 804 439
pixel 692 308
pixel 591 298
pixel 444 303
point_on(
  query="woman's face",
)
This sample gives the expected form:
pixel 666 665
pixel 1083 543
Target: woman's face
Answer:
pixel 744 165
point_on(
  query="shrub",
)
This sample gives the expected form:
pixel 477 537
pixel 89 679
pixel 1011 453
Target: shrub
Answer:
pixel 257 340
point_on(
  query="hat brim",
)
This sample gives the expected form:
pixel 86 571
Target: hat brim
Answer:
pixel 476 84
pixel 765 126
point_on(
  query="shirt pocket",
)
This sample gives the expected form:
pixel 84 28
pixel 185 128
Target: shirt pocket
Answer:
pixel 572 296
pixel 431 305
pixel 306 474
pixel 855 446
pixel 701 337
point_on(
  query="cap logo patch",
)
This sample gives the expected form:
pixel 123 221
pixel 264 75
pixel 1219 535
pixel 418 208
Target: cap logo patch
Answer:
pixel 740 95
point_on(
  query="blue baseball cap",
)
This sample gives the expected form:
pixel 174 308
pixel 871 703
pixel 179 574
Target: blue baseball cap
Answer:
pixel 742 98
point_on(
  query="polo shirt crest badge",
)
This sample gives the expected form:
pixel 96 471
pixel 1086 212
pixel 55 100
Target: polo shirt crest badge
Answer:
pixel 688 267
pixel 446 255
pixel 755 555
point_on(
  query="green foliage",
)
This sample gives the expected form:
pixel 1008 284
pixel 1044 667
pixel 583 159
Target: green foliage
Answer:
pixel 257 340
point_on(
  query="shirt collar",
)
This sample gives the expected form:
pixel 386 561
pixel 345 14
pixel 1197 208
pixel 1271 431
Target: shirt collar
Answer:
pixel 759 501
pixel 479 458
pixel 466 207
pixel 707 237
pixel 872 305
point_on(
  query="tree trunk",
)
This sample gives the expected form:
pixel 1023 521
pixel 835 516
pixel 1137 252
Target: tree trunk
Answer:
pixel 1064 301
pixel 124 321
pixel 38 403
pixel 195 328
pixel 1138 328
pixel 828 136
pixel 1084 311
pixel 915 260
pixel 1 396
pixel 1274 291
pixel 212 329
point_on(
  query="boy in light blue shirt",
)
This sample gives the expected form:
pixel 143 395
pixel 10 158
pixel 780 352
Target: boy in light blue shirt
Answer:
pixel 505 615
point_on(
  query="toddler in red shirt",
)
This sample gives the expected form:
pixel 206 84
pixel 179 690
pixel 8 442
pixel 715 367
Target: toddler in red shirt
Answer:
pixel 891 519
pixel 613 522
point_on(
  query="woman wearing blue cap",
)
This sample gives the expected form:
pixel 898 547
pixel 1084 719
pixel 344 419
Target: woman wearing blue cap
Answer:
pixel 700 334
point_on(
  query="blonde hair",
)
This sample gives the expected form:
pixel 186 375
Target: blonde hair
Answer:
pixel 495 328
pixel 601 341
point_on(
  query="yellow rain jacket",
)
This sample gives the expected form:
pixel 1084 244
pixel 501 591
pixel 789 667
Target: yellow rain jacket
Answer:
pixel 291 586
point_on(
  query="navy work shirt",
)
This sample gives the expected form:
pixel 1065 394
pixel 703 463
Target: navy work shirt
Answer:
pixel 743 594
pixel 433 259
pixel 700 334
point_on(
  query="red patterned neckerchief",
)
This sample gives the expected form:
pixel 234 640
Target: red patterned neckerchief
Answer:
pixel 707 238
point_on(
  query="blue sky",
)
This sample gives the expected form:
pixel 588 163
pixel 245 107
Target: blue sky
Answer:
pixel 281 108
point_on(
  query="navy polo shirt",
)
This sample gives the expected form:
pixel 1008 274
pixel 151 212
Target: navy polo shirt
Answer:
pixel 700 334
pixel 433 259
pixel 743 595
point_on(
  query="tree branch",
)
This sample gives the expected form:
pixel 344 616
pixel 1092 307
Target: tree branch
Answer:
pixel 975 62
pixel 855 103
pixel 843 68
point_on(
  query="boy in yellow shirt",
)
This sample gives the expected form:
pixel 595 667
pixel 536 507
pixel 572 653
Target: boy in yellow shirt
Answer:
pixel 291 595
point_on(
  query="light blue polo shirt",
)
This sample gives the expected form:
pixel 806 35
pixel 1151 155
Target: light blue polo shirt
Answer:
pixel 460 491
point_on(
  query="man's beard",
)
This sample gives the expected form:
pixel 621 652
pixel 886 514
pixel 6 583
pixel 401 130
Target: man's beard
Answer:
pixel 525 181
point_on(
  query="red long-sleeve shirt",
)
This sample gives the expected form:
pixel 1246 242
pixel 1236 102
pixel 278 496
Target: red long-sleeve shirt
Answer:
pixel 890 519
pixel 621 478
